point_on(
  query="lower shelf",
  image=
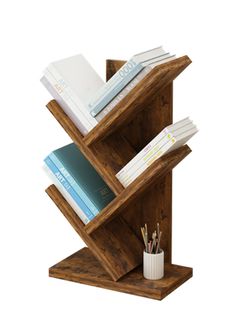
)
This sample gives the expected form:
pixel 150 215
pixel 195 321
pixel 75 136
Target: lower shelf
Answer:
pixel 83 267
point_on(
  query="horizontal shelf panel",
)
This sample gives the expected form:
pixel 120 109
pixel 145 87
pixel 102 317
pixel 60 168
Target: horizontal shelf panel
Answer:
pixel 149 177
pixel 138 98
pixel 115 245
pixel 77 138
pixel 82 267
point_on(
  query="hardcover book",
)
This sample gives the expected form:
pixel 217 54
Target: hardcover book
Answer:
pixel 158 61
pixel 172 137
pixel 121 78
pixel 66 195
pixel 67 187
pixel 83 177
pixel 154 144
pixel 72 82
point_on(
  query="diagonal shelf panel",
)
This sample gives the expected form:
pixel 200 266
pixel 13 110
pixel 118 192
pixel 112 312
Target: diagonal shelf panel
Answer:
pixel 77 138
pixel 115 246
pixel 148 178
pixel 138 98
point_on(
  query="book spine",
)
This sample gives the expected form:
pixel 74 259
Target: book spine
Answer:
pixel 174 129
pixel 53 89
pixel 142 153
pixel 147 157
pixel 172 144
pixel 146 164
pixel 74 184
pixel 66 195
pixel 123 93
pixel 81 108
pixel 68 188
pixel 115 85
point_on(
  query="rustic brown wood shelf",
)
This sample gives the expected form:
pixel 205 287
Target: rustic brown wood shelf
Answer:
pixel 84 268
pixel 114 257
pixel 144 92
pixel 108 243
pixel 149 177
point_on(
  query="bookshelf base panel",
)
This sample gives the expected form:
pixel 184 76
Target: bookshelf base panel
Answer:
pixel 83 267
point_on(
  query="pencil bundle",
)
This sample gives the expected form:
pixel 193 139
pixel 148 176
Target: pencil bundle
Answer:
pixel 152 245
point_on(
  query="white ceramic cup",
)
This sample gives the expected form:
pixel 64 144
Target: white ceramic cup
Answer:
pixel 153 265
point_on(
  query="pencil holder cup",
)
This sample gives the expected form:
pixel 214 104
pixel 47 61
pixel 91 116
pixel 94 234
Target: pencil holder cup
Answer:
pixel 153 265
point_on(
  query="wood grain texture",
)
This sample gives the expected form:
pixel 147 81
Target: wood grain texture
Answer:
pixel 105 172
pixel 83 267
pixel 115 246
pixel 112 66
pixel 138 98
pixel 155 205
pixel 147 179
pixel 113 153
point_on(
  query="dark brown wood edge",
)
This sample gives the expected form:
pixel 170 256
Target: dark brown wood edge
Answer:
pixel 138 98
pixel 149 177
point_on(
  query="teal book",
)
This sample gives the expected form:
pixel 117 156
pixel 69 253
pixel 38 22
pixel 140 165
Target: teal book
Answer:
pixel 83 178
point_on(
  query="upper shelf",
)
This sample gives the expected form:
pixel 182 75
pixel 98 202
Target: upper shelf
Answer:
pixel 138 98
pixel 149 177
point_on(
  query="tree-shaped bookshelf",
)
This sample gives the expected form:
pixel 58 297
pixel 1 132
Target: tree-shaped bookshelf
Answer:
pixel 113 258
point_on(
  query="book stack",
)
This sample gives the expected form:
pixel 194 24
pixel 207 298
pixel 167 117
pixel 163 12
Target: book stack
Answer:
pixel 85 97
pixel 72 82
pixel 78 182
pixel 170 138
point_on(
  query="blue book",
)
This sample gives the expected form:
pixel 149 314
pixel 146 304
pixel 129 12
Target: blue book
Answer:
pixel 83 178
pixel 121 78
pixel 68 188
pixel 80 192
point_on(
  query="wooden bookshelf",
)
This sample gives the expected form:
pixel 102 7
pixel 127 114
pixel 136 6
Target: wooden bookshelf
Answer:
pixel 114 257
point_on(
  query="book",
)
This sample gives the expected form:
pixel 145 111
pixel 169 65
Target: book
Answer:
pixel 172 144
pixel 66 195
pixel 151 145
pixel 157 149
pixel 162 59
pixel 80 192
pixel 66 103
pixel 121 78
pixel 83 177
pixel 72 82
pixel 65 184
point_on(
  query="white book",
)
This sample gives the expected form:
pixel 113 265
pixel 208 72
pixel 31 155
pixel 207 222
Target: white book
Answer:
pixel 170 145
pixel 66 195
pixel 66 86
pixel 121 78
pixel 66 103
pixel 147 157
pixel 171 128
pixel 76 81
pixel 158 61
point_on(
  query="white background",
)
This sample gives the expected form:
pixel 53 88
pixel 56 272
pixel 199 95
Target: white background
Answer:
pixel 34 235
